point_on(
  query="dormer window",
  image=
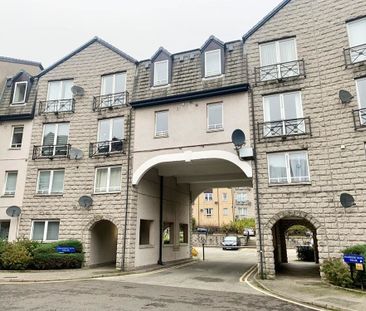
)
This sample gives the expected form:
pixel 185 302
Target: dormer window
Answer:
pixel 20 91
pixel 161 72
pixel 213 63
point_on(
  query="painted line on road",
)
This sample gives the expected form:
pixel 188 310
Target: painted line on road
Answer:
pixel 245 279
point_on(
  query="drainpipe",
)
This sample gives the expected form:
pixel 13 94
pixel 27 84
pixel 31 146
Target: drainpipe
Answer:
pixel 160 261
pixel 256 185
pixel 127 190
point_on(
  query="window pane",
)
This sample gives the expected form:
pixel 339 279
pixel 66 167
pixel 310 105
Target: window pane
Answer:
pixel 58 182
pixel 287 50
pixel 49 134
pixel 11 182
pixel 104 126
pixel 62 138
pixel 161 72
pixel 115 179
pixel 272 108
pixel 19 92
pixel 120 83
pixel 43 182
pixel 161 126
pixel 101 180
pixel 357 32
pixel 4 230
pixel 17 137
pixel 226 212
pixel 361 87
pixel 298 167
pixel 214 116
pixel 38 230
pixel 268 54
pixel 52 230
pixel 277 168
pixel 292 106
pixel 117 128
pixel 213 63
pixel 54 90
pixel 66 89
pixel 107 85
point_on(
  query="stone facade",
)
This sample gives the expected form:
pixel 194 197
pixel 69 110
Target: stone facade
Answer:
pixel 336 151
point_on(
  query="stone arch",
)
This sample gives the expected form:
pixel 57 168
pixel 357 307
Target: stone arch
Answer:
pixel 293 213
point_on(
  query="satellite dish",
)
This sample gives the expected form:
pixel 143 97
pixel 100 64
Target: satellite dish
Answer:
pixel 238 138
pixel 85 201
pixel 13 211
pixel 75 154
pixel 345 96
pixel 77 90
pixel 347 200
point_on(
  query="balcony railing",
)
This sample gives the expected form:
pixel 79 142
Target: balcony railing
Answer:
pixel 106 148
pixel 110 101
pixel 284 128
pixel 355 54
pixel 359 118
pixel 57 106
pixel 280 71
pixel 51 151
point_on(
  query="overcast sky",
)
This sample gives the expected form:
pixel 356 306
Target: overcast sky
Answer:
pixel 47 30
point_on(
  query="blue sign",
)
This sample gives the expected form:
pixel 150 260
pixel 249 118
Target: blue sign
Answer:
pixel 352 258
pixel 65 249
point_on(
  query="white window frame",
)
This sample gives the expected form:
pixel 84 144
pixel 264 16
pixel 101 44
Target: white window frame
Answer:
pixel 241 198
pixel 49 192
pixel 208 211
pixel 225 211
pixel 161 133
pixel 208 196
pixel 224 196
pixel 215 127
pixel 25 93
pixel 288 168
pixel 60 89
pixel 46 221
pixel 110 144
pixel 12 136
pixel 217 51
pixel 362 113
pixel 278 53
pixel 108 179
pixel 363 19
pixel 6 183
pixel 240 209
pixel 114 82
pixel 163 82
pixel 56 135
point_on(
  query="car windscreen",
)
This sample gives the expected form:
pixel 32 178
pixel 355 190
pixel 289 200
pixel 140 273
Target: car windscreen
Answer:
pixel 230 239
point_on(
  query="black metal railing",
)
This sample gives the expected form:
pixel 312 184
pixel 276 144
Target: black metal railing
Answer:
pixel 284 128
pixel 280 71
pixel 359 118
pixel 51 151
pixel 106 148
pixel 355 54
pixel 110 101
pixel 57 106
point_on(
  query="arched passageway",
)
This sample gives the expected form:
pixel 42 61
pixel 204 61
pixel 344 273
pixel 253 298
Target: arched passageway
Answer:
pixel 103 247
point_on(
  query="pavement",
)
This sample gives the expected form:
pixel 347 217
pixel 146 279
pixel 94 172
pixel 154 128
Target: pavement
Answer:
pixel 300 281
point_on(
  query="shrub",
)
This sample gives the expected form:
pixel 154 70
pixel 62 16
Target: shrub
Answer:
pixel 238 226
pixel 3 244
pixel 305 253
pixel 57 261
pixel 28 244
pixel 360 249
pixel 298 230
pixel 337 272
pixel 49 248
pixel 15 257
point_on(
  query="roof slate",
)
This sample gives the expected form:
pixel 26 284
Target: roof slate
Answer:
pixel 20 61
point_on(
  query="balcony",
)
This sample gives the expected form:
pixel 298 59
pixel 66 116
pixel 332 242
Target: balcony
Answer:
pixel 354 55
pixel 57 106
pixel 51 151
pixel 359 118
pixel 110 101
pixel 106 148
pixel 280 72
pixel 284 128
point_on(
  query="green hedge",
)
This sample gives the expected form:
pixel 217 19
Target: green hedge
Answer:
pixel 359 249
pixel 44 261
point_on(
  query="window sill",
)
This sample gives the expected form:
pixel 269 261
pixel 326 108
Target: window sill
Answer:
pixel 215 130
pixel 161 136
pixel 8 196
pixel 49 195
pixel 15 148
pixel 305 183
pixel 162 86
pixel 146 246
pixel 218 76
pixel 101 193
pixel 18 104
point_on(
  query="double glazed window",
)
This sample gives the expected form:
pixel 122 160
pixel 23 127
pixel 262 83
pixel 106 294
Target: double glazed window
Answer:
pixel 208 212
pixel 361 95
pixel 10 183
pixel 161 72
pixel 208 196
pixel 242 211
pixel 224 196
pixel 161 123
pixel 357 40
pixel 113 90
pixel 278 59
pixel 241 198
pixel 215 117
pixel 288 167
pixel 50 182
pixel 17 138
pixel 110 135
pixel 213 63
pixel 59 96
pixel 108 179
pixel 20 92
pixel 283 114
pixel 45 230
pixel 55 138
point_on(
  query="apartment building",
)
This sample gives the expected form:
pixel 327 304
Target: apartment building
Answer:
pixel 219 206
pixel 304 60
pixel 17 98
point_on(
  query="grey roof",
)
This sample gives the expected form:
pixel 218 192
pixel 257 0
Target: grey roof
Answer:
pixel 20 61
pixel 265 19
pixel 18 112
pixel 187 74
pixel 84 46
